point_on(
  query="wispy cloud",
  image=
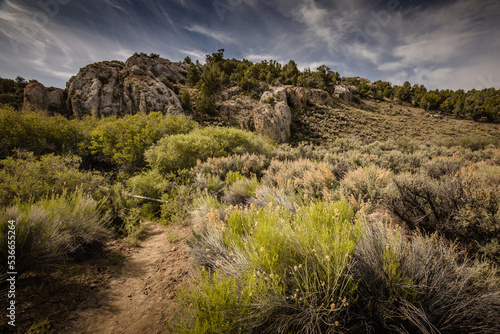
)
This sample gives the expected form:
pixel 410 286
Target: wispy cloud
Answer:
pixel 219 36
pixel 446 44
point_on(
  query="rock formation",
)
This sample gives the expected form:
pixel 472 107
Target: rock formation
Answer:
pixel 39 97
pixel 113 88
pixel 272 117
pixel 35 96
pixel 300 96
pixel 147 83
pixel 344 93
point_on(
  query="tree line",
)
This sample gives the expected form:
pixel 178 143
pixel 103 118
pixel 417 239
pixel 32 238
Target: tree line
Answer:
pixel 252 78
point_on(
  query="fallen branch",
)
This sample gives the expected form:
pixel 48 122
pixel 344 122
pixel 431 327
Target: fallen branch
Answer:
pixel 137 196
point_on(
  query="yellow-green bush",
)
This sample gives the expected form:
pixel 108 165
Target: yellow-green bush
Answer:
pixel 38 133
pixel 289 271
pixel 175 152
pixel 124 140
pixel 26 179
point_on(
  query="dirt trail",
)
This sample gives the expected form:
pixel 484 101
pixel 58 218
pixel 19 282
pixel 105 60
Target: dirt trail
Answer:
pixel 141 298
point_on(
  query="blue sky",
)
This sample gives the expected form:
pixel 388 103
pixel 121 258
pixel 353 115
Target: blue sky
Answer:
pixel 442 44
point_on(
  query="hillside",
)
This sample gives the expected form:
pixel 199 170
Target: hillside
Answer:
pixel 158 196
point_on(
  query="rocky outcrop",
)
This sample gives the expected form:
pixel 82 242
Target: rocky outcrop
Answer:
pixel 238 110
pixel 39 97
pixel 146 93
pixel 299 97
pixel 35 96
pixel 97 88
pixel 344 93
pixel 115 88
pixel 159 67
pixel 272 117
pixel 57 100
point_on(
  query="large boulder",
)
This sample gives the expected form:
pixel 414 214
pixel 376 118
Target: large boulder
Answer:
pixel 299 97
pixel 39 97
pixel 344 93
pixel 320 97
pixel 36 96
pixel 272 116
pixel 57 100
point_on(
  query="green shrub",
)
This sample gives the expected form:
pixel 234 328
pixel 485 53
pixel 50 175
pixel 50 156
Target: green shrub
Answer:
pixel 124 140
pixel 233 177
pixel 176 152
pixel 210 184
pixel 27 179
pixel 133 228
pixel 122 210
pixel 206 103
pixel 149 183
pixel 187 105
pixel 38 133
pixel 177 203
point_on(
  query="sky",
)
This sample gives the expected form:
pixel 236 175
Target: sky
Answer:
pixel 445 44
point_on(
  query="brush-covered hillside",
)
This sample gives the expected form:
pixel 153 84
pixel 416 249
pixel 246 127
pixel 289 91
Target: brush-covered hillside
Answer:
pixel 307 202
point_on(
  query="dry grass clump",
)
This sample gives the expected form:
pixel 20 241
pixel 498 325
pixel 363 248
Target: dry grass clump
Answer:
pixel 421 285
pixel 366 184
pixel 303 177
pixel 241 191
pixel 246 164
pixel 53 230
pixel 465 206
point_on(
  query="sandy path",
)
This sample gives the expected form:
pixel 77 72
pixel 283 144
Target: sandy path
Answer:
pixel 141 299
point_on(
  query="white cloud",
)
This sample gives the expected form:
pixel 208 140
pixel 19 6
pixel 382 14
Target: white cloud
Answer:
pixel 261 57
pixel 196 54
pixel 221 37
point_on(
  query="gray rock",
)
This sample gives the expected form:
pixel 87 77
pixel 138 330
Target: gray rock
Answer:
pixel 36 96
pixel 300 96
pixel 272 116
pixel 112 88
pixel 344 93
